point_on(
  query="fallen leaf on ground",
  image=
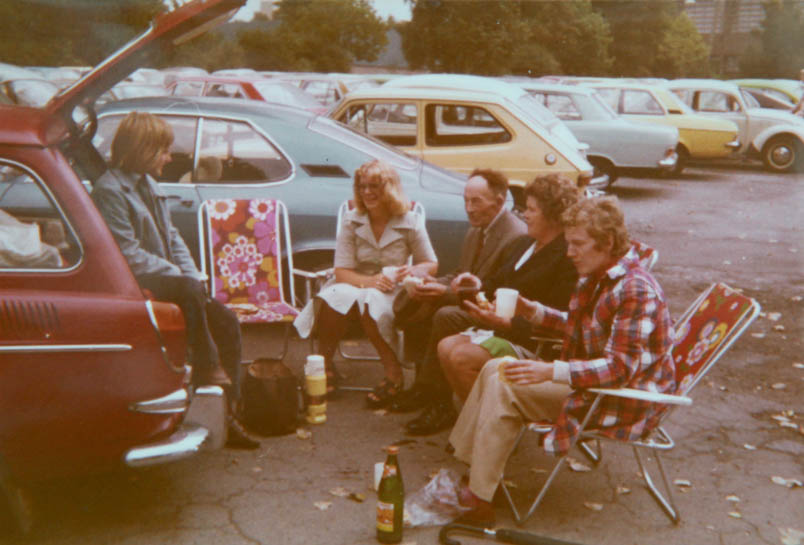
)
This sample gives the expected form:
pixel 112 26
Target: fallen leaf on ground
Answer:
pixel 538 470
pixel 302 433
pixel 684 483
pixel 788 424
pixel 732 498
pixel 789 483
pixel 778 327
pixel 791 536
pixel 779 386
pixel 256 470
pixel 593 506
pixel 623 490
pixel 758 335
pixel 357 496
pixel 323 505
pixel 774 316
pixel 510 484
pixel 798 365
pixel 749 447
pixel 339 491
pixel 735 515
pixel 796 298
pixel 575 465
pixel 381 412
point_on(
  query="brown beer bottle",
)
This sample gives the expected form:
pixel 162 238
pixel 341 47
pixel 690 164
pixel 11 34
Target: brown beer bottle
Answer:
pixel 390 500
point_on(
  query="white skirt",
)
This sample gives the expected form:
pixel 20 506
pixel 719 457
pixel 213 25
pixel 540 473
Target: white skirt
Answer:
pixel 341 297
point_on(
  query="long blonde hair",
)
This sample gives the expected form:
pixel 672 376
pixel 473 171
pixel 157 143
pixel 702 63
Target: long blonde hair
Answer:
pixel 381 173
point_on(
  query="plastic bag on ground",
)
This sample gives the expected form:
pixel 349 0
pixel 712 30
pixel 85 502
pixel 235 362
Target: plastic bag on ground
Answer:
pixel 436 503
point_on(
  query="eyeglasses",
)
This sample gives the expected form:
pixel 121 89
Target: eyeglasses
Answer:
pixel 373 188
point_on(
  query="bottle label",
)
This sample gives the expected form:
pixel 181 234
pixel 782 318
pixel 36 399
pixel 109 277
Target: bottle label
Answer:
pixel 388 471
pixel 385 516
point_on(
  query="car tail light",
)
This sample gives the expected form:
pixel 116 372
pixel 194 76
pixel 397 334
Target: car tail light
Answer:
pixel 168 323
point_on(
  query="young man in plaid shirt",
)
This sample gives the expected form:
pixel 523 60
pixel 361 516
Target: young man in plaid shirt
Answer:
pixel 616 333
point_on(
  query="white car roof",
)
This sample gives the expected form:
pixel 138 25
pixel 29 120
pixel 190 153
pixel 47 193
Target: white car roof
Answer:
pixel 461 82
pixel 703 84
pixel 556 87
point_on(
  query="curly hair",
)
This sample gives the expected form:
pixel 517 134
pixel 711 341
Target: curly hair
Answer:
pixel 381 173
pixel 603 219
pixel 554 193
pixel 139 140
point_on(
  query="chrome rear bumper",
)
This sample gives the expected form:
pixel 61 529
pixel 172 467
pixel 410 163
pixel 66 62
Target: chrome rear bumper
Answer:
pixel 734 144
pixel 184 442
pixel 669 161
pixel 204 427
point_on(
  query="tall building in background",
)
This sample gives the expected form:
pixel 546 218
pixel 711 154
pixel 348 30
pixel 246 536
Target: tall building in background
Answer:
pixel 727 26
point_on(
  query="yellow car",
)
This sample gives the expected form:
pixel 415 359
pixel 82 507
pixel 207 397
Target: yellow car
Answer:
pixel 699 137
pixel 465 122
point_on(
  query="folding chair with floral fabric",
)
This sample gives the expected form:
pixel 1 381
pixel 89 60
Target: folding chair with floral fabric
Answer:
pixel 702 335
pixel 241 250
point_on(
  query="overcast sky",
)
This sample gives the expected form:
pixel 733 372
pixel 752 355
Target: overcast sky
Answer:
pixel 398 8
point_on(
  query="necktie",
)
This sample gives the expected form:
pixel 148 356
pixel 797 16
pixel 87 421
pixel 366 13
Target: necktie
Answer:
pixel 478 249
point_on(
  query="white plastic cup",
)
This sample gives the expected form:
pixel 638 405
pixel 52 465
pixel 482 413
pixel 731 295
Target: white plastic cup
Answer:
pixel 391 273
pixel 410 283
pixel 505 302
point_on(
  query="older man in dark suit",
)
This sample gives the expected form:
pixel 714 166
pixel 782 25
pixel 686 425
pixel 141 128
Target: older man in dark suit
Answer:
pixel 493 227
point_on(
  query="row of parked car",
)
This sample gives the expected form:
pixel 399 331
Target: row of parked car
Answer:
pixel 74 324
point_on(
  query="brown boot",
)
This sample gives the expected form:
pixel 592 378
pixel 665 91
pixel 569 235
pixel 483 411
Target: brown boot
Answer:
pixel 213 375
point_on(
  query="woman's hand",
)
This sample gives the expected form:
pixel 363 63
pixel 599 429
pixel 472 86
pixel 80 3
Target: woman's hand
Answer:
pixel 379 282
pixel 524 372
pixel 487 318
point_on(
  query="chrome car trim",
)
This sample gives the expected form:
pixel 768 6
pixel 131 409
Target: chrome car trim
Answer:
pixel 174 402
pixel 600 182
pixel 668 162
pixel 50 348
pixel 152 316
pixel 67 225
pixel 183 443
pixel 734 144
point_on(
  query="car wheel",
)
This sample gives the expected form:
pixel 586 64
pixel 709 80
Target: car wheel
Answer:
pixel 779 154
pixel 604 166
pixel 681 162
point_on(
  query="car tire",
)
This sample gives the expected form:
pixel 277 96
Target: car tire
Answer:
pixel 780 153
pixel 681 162
pixel 604 166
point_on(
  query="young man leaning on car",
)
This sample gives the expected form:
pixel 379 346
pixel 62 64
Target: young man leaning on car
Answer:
pixel 135 209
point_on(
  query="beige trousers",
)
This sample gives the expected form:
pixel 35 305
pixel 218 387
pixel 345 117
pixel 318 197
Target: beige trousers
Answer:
pixel 490 420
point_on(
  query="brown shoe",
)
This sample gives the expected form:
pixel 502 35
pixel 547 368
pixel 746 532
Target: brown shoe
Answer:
pixel 481 512
pixel 213 376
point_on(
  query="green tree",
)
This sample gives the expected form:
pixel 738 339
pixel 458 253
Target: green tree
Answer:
pixel 576 35
pixel 681 51
pixel 779 52
pixel 637 28
pixel 468 37
pixel 321 36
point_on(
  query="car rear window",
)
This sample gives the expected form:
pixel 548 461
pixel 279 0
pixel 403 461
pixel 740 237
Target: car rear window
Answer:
pixel 35 235
pixel 462 125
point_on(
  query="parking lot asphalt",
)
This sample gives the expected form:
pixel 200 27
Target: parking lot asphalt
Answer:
pixel 731 223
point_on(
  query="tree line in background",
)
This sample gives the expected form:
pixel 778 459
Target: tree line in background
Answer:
pixel 638 38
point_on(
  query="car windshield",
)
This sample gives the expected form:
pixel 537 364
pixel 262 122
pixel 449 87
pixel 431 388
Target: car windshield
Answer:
pixel 363 142
pixel 537 110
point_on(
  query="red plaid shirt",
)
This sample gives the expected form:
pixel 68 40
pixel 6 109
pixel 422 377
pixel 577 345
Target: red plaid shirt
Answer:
pixel 617 333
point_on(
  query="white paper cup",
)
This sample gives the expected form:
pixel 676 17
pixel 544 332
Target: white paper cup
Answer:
pixel 505 302
pixel 411 282
pixel 378 469
pixel 391 273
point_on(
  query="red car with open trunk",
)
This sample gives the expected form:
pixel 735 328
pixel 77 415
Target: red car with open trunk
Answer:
pixel 92 373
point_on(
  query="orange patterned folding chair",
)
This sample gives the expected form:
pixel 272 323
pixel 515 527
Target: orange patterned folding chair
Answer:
pixel 702 335
pixel 245 250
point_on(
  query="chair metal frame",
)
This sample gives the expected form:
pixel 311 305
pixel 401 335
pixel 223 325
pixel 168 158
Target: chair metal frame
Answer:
pixel 283 233
pixel 658 439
